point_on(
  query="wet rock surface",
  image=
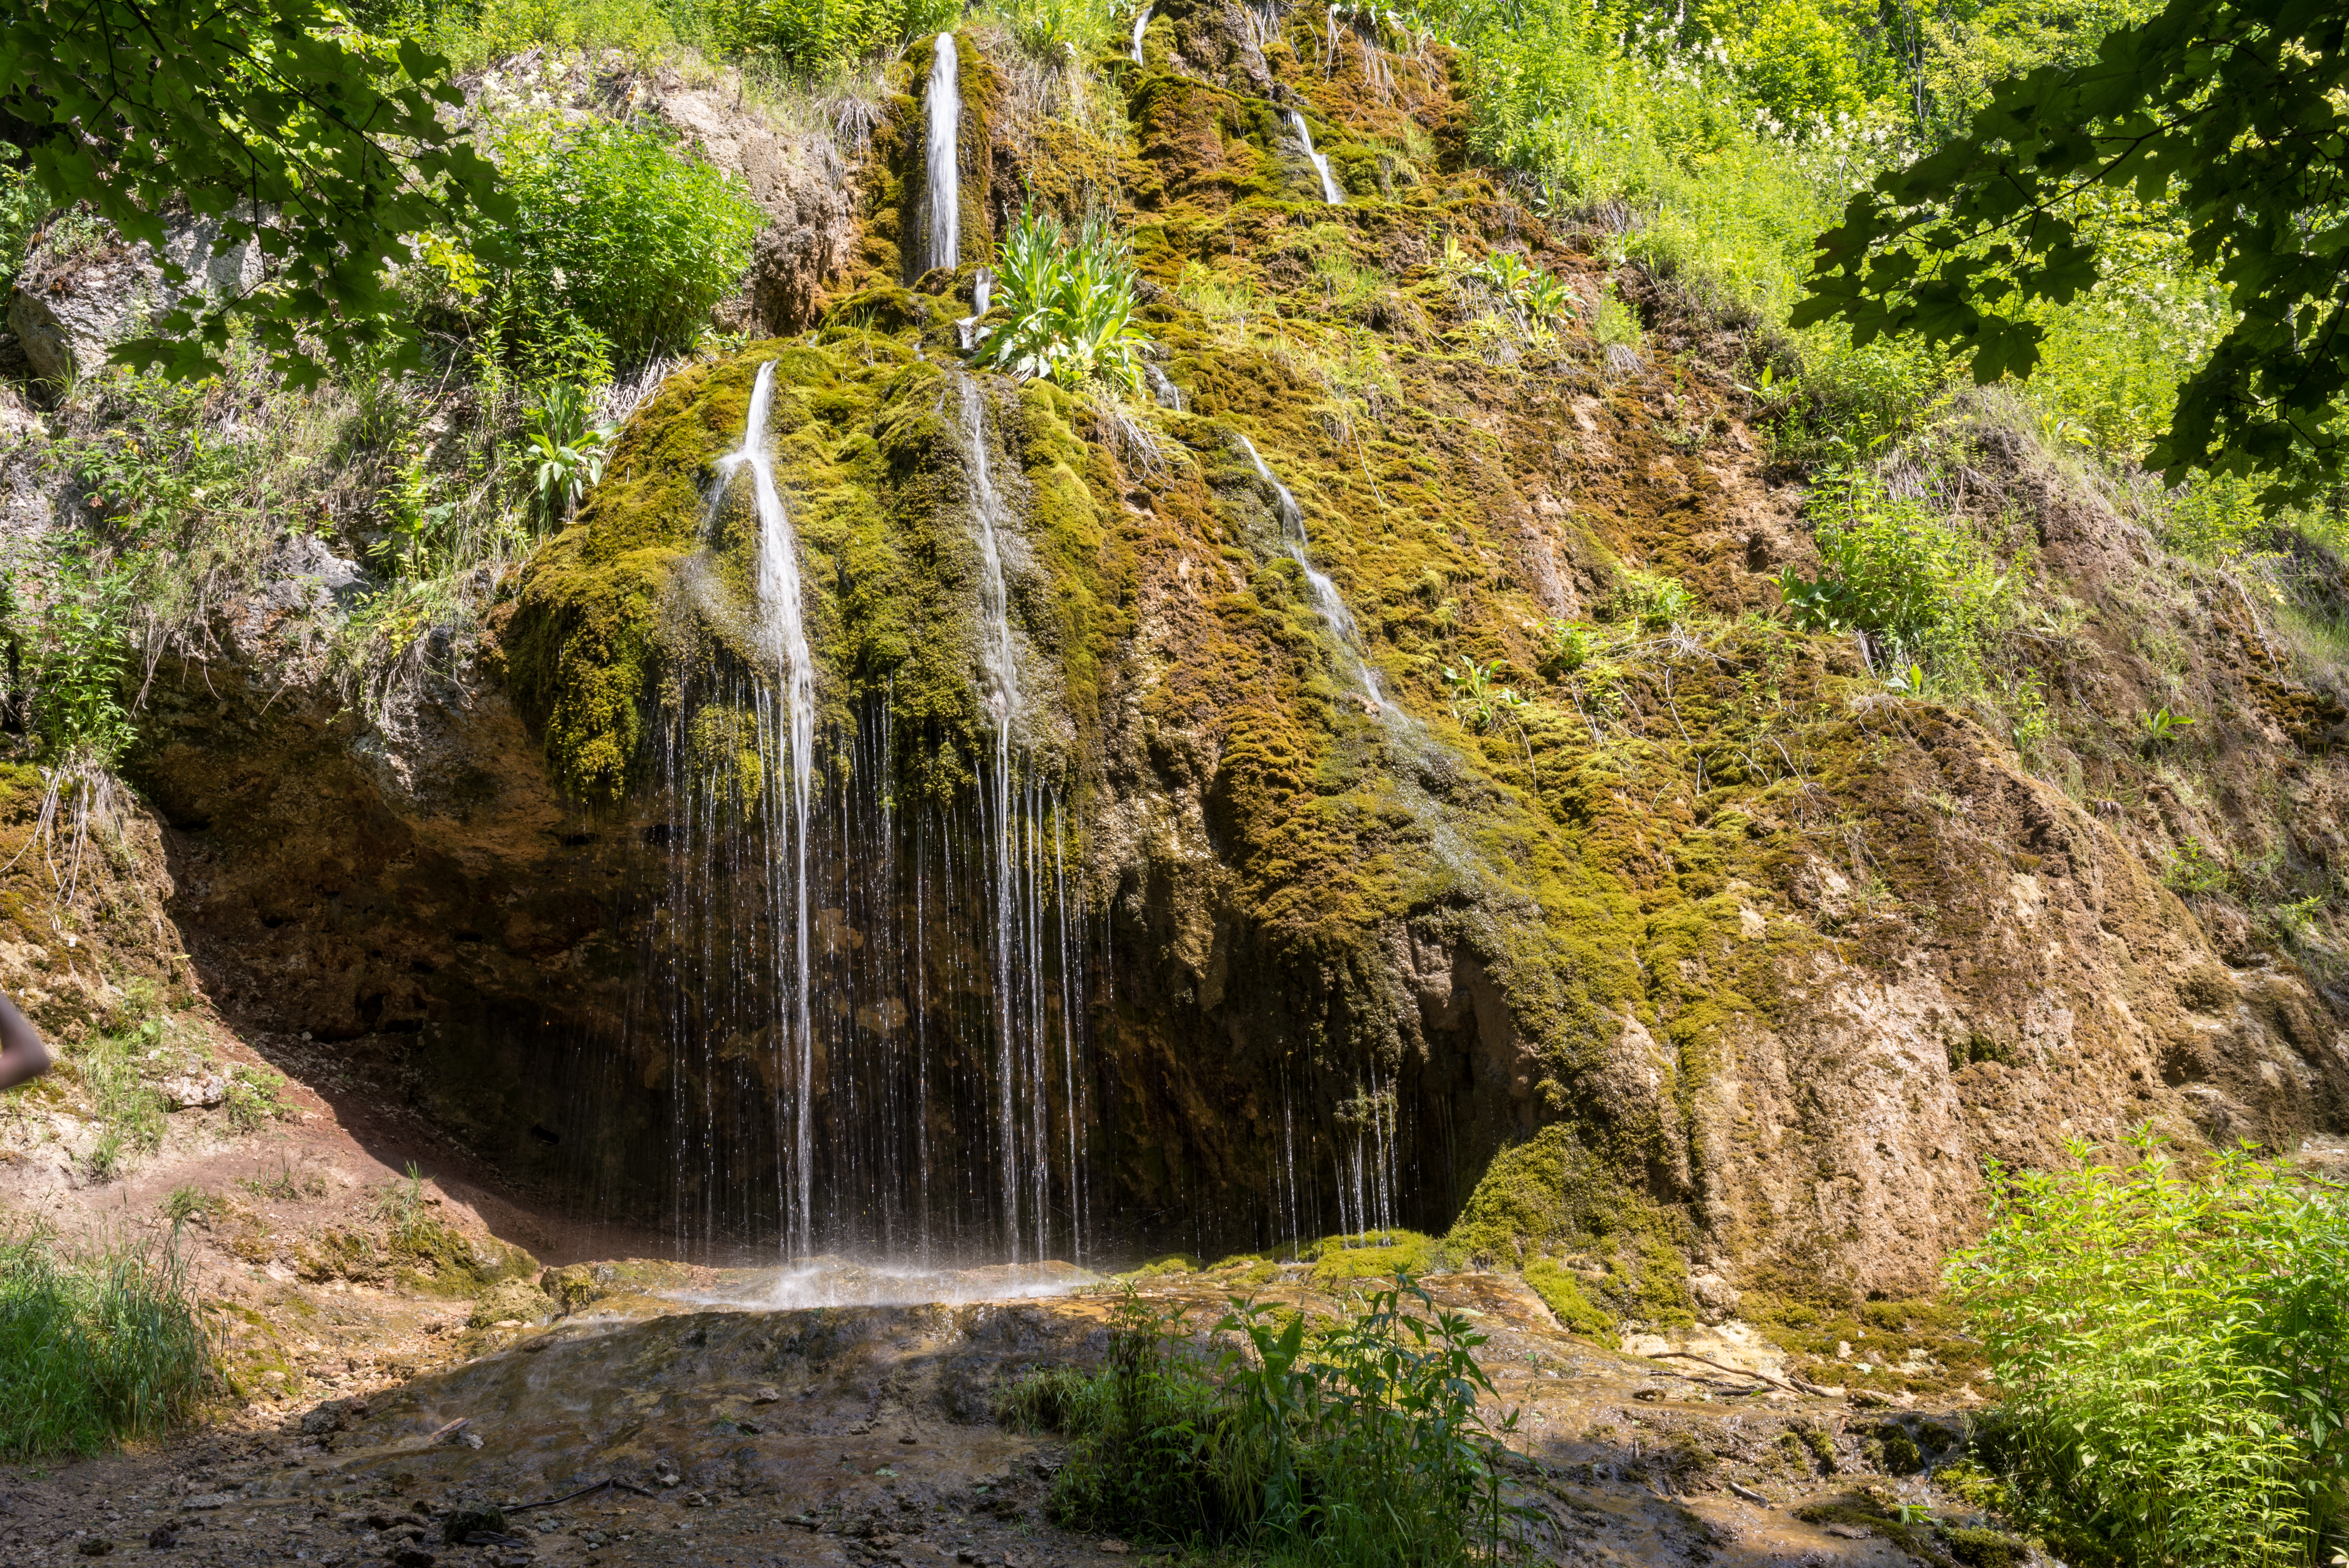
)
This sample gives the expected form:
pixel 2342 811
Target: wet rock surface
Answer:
pixel 639 1433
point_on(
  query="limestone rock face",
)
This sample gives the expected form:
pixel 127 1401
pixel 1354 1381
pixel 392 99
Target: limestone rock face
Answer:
pixel 75 300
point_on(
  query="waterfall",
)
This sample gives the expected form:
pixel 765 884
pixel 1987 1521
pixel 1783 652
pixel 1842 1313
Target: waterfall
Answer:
pixel 863 1024
pixel 1140 20
pixel 944 153
pixel 1332 609
pixel 782 642
pixel 1330 192
pixel 1028 895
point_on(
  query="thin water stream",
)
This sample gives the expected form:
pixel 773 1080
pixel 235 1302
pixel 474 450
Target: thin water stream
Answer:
pixel 1332 193
pixel 942 155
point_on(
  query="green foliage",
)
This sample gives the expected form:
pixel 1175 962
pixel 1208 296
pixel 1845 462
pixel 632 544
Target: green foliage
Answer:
pixel 2175 1355
pixel 2190 868
pixel 1931 592
pixel 23 204
pixel 1068 302
pixel 806 36
pixel 571 452
pixel 473 33
pixel 184 1204
pixel 77 651
pixel 1055 31
pixel 94 1349
pixel 1651 601
pixel 2233 114
pixel 617 249
pixel 248 112
pixel 1358 1443
pixel 2162 726
pixel 1479 701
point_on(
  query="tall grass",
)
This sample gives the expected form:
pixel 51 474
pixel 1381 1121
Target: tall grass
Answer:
pixel 95 1348
pixel 2175 1353
pixel 1360 1443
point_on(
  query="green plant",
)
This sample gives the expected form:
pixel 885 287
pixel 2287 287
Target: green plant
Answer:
pixel 286 1184
pixel 571 452
pixel 1069 303
pixel 1478 699
pixel 277 119
pixel 619 247
pixel 186 1203
pixel 1564 648
pixel 808 36
pixel 1930 590
pixel 1653 600
pixel 2175 1355
pixel 2162 726
pixel 1057 31
pixel 256 1095
pixel 95 1346
pixel 1357 1443
pixel 2190 868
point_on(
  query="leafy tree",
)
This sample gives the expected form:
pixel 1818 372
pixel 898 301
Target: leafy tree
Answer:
pixel 2231 110
pixel 272 116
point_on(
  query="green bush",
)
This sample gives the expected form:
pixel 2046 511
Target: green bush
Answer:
pixel 1359 1443
pixel 94 1349
pixel 2175 1354
pixel 620 248
pixel 811 36
pixel 1050 29
pixel 1925 587
pixel 1068 300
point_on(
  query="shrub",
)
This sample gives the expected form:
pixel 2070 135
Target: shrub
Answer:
pixel 618 249
pixel 1050 29
pixel 1927 588
pixel 2175 1354
pixel 810 35
pixel 255 1096
pixel 1359 1443
pixel 1069 298
pixel 94 1349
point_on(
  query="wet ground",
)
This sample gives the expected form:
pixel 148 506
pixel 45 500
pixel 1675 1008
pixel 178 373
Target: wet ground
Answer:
pixel 843 1416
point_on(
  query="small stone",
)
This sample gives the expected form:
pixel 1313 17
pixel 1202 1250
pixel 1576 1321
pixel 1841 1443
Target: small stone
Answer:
pixel 209 1500
pixel 413 1557
pixel 693 1499
pixel 94 1546
pixel 162 1537
pixel 909 1438
pixel 1849 1531
pixel 1115 1547
pixel 470 1439
pixel 766 1396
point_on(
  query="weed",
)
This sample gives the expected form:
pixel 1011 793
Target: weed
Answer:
pixel 1360 1443
pixel 285 1184
pixel 1069 298
pixel 256 1095
pixel 2175 1355
pixel 2190 868
pixel 94 1347
pixel 186 1203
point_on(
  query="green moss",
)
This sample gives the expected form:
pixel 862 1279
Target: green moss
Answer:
pixel 1372 1257
pixel 1562 1294
pixel 1979 1548
pixel 1162 1268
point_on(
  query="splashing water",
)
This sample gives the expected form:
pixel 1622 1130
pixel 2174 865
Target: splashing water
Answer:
pixel 1140 21
pixel 1330 192
pixel 943 153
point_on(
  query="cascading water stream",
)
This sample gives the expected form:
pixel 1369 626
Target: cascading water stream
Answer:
pixel 788 726
pixel 1140 21
pixel 1029 893
pixel 1330 191
pixel 943 155
pixel 1332 609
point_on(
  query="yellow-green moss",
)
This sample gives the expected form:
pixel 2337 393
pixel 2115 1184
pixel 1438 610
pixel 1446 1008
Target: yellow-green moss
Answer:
pixel 1371 1257
pixel 1562 1294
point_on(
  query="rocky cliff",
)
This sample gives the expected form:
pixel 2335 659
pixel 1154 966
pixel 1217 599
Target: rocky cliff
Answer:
pixel 1716 962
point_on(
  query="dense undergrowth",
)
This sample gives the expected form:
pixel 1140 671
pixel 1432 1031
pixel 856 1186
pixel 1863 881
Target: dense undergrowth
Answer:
pixel 2174 1356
